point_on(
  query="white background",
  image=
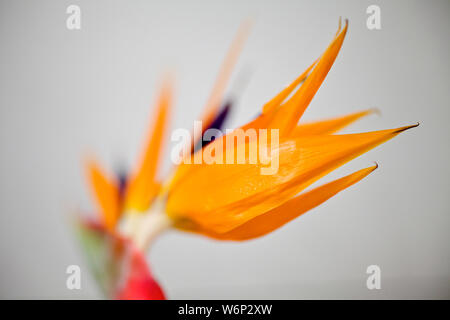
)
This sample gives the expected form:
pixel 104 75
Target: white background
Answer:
pixel 65 93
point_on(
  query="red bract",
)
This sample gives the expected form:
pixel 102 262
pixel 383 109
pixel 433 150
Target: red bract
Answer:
pixel 140 284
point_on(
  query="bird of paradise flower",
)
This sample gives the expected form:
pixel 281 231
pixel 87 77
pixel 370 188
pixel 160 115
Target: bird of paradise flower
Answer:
pixel 224 202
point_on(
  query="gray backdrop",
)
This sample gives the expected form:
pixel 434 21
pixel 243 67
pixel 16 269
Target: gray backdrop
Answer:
pixel 65 93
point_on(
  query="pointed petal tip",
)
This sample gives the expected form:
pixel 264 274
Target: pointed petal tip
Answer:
pixel 340 29
pixel 371 169
pixel 399 130
pixel 88 159
pixel 375 167
pixel 340 24
pixel 90 164
pixel 374 110
pixel 167 83
pixel 247 24
pixel 344 30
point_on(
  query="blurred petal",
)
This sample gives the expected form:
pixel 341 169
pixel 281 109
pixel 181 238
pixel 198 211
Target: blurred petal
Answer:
pixel 216 97
pixel 222 197
pixel 106 193
pixel 118 266
pixel 143 186
pixel 277 217
pixel 212 108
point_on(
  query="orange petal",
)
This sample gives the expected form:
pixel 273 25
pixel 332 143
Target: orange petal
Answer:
pixel 287 115
pixel 143 186
pixel 270 109
pixel 222 197
pixel 275 218
pixel 329 126
pixel 106 194
pixel 279 98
